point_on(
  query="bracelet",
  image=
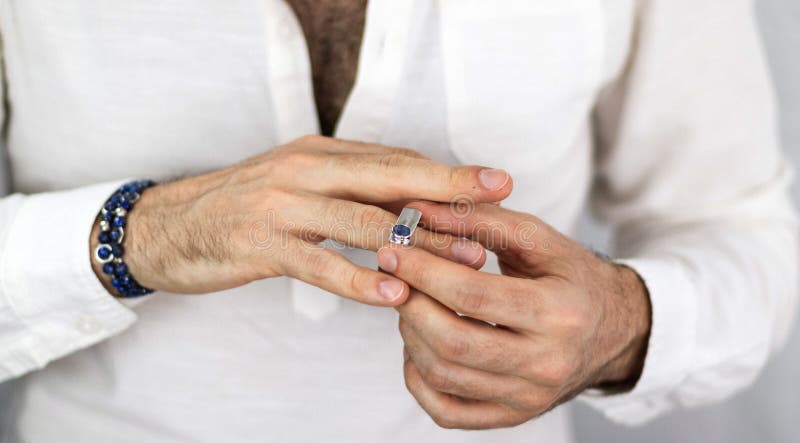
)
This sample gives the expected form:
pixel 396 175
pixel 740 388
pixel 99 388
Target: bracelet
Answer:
pixel 112 232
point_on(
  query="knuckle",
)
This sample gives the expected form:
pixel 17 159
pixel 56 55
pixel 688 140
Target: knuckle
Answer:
pixel 393 161
pixel 276 198
pixel 469 300
pixel 357 278
pixel 457 176
pixel 452 347
pixel 414 324
pixel 438 376
pixel 518 419
pixel 407 152
pixel 418 274
pixel 310 139
pixel 533 402
pixel 404 327
pixel 371 216
pixel 281 169
pixel 574 320
pixel 317 264
pixel 558 371
pixel 444 420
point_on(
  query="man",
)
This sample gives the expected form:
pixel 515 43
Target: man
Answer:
pixel 665 103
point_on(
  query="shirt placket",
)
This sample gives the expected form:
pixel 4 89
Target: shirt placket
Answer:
pixel 365 114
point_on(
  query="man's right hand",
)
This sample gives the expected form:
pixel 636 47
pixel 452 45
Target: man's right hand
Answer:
pixel 264 216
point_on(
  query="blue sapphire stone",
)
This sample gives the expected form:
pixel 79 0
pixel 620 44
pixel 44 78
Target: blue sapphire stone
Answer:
pixel 104 253
pixel 121 269
pixel 401 230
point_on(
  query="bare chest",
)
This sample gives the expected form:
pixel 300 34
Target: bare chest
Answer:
pixel 333 30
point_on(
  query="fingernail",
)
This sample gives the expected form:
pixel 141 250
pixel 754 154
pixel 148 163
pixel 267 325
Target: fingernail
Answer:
pixel 493 179
pixel 390 289
pixel 387 260
pixel 466 252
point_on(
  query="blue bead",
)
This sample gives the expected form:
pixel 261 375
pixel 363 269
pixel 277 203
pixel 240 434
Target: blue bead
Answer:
pixel 117 250
pixel 108 216
pixel 116 234
pixel 109 206
pixel 126 280
pixel 115 282
pixel 121 269
pixel 125 204
pixel 401 230
pixel 108 268
pixel 103 237
pixel 119 221
pixel 104 253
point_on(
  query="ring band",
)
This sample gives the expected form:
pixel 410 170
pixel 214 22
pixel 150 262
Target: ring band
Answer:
pixel 405 226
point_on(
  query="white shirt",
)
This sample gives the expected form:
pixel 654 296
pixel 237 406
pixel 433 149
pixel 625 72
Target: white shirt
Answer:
pixel 665 102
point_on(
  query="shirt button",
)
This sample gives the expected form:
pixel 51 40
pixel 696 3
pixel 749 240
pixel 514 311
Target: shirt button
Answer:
pixel 88 325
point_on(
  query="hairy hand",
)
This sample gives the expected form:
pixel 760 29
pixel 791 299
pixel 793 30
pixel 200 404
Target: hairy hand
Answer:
pixel 558 321
pixel 265 216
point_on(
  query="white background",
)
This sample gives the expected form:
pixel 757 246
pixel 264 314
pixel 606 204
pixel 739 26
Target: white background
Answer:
pixel 769 411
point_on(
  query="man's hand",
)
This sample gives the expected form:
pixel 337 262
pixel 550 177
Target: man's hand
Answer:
pixel 264 216
pixel 558 321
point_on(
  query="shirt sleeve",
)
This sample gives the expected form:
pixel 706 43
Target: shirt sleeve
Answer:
pixel 692 176
pixel 51 302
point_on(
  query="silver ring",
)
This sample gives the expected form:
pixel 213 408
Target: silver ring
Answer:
pixel 405 226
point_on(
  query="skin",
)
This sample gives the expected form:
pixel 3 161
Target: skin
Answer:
pixel 264 216
pixel 333 32
pixel 559 320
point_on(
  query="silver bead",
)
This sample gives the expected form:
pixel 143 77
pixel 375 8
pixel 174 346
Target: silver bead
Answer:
pixel 120 211
pixel 104 225
pixel 121 234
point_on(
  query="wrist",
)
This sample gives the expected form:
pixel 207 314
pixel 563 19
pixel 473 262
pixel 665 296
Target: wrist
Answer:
pixel 623 371
pixel 108 241
pixel 139 257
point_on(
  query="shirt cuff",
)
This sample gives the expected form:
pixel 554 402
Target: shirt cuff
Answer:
pixel 56 303
pixel 669 348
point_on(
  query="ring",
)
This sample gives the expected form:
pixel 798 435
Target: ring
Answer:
pixel 404 228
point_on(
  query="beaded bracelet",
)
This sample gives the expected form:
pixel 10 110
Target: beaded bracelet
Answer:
pixel 112 231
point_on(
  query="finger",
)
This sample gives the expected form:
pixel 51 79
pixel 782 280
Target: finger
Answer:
pixel 451 378
pixel 331 271
pixel 517 237
pixel 397 176
pixel 330 145
pixel 463 340
pixel 358 225
pixel 488 297
pixel 452 412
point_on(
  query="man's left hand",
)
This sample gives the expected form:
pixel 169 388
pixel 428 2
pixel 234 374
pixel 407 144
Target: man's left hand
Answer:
pixel 485 350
